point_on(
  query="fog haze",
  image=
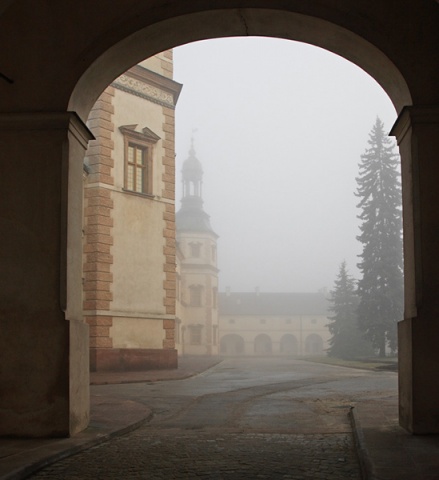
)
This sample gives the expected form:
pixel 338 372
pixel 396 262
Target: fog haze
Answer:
pixel 279 128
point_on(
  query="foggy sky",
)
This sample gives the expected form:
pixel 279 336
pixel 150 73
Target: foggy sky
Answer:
pixel 279 129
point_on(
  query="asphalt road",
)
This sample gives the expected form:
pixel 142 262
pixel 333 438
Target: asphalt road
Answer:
pixel 273 418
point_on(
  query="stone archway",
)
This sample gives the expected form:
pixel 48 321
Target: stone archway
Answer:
pixel 235 21
pixel 232 344
pixel 64 61
pixel 263 345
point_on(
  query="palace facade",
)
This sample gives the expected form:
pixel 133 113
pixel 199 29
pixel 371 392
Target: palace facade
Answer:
pixel 129 230
pixel 212 323
pixel 264 323
pixel 197 272
pixel 151 285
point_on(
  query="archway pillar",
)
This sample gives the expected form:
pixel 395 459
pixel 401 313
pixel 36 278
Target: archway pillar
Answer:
pixel 417 132
pixel 44 341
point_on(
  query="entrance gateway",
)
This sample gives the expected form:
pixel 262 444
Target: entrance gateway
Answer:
pixel 52 71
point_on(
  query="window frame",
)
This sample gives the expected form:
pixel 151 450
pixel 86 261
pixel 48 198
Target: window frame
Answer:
pixel 195 249
pixel 196 295
pixel 195 334
pixel 145 142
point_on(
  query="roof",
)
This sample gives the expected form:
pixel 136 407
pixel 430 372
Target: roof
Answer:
pixel 187 222
pixel 192 218
pixel 192 166
pixel 254 303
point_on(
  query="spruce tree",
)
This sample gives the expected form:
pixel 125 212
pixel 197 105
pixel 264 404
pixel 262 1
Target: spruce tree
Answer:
pixel 347 340
pixel 381 287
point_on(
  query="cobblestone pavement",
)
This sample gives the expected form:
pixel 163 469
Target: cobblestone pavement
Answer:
pixel 170 454
pixel 253 420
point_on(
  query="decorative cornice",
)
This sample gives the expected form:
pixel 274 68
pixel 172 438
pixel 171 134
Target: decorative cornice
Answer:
pixel 153 78
pixel 122 314
pixel 199 266
pixel 149 85
pixel 135 87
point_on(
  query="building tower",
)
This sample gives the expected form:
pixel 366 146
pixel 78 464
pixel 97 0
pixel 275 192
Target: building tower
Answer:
pixel 197 272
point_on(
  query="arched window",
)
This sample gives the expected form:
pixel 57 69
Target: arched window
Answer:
pixel 263 345
pixel 232 344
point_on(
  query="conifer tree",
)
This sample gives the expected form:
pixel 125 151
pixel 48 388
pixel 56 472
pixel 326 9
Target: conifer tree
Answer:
pixel 381 287
pixel 347 340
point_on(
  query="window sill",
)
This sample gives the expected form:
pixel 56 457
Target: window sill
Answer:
pixel 139 194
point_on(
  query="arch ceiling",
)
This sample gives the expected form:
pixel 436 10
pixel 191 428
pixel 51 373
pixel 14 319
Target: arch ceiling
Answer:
pixel 196 26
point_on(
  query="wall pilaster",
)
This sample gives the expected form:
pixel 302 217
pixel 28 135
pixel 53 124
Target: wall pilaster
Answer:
pixel 169 248
pixel 44 341
pixel 98 227
pixel 417 133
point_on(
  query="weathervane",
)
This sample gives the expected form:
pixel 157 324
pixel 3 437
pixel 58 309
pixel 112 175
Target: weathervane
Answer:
pixel 194 130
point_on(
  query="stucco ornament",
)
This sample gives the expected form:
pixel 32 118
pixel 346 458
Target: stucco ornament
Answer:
pixel 141 89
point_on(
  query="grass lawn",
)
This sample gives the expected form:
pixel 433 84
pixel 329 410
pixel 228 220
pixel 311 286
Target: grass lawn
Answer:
pixel 374 363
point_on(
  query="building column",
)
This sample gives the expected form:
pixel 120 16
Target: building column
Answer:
pixel 44 342
pixel 417 132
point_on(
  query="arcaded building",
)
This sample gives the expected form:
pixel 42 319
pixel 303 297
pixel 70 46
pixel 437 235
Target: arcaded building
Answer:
pixel 268 323
pixel 246 323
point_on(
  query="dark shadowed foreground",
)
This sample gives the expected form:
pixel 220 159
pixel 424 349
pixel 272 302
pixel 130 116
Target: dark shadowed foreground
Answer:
pixel 244 418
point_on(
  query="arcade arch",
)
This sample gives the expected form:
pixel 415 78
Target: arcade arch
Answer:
pixel 56 78
pixel 232 344
pixel 263 345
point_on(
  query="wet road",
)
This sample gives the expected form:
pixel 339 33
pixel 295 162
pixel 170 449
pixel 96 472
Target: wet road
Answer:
pixel 274 418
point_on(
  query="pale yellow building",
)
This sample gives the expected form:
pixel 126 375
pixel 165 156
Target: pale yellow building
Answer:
pixel 150 276
pixel 129 224
pixel 256 323
pixel 208 323
pixel 197 291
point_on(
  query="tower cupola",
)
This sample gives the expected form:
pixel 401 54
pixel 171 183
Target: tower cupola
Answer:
pixel 192 175
pixel 191 216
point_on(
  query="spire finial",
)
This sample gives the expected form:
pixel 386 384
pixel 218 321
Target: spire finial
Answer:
pixel 192 149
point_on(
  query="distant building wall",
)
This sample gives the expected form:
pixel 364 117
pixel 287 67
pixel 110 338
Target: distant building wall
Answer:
pixel 197 272
pixel 244 330
pixel 292 335
pixel 198 296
